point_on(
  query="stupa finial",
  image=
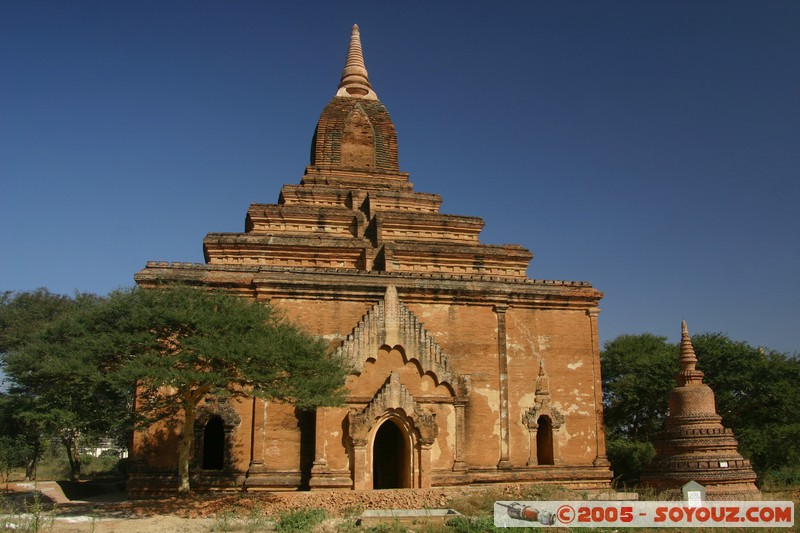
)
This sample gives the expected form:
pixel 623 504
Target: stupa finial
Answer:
pixel 542 381
pixel 355 80
pixel 688 360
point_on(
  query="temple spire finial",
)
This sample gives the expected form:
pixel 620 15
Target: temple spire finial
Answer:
pixel 688 373
pixel 355 80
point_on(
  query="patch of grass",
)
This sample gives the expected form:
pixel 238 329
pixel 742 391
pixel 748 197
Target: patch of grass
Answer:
pixel 783 479
pixel 550 493
pixel 648 494
pixel 33 517
pixel 234 519
pixel 37 518
pixel 225 521
pixel 393 527
pixel 353 512
pixel 349 523
pixel 300 521
pixel 480 524
pixel 256 520
pixel 348 526
pixel 102 467
pixel 53 468
pixel 477 503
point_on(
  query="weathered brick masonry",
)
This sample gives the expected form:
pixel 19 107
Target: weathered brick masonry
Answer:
pixel 466 371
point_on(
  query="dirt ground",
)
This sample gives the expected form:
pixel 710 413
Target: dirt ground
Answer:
pixel 84 507
pixel 67 507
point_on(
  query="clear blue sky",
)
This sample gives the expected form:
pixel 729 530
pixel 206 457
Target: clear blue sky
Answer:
pixel 651 148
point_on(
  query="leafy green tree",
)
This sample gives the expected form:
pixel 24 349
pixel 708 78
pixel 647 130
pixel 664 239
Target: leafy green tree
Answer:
pixel 61 382
pixel 73 363
pixel 12 418
pixel 638 372
pixel 23 314
pixel 182 344
pixel 758 396
pixel 628 458
pixel 13 453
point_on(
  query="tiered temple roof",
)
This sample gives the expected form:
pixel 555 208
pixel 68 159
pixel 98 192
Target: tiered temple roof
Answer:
pixel 354 209
pixel 355 214
pixel 694 445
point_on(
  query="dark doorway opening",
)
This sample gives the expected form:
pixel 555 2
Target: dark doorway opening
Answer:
pixel 214 444
pixel 544 441
pixel 389 458
pixel 307 423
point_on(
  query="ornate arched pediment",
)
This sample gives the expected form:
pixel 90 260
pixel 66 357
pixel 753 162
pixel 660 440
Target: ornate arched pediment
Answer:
pixel 214 406
pixel 541 403
pixel 390 323
pixel 531 417
pixel 393 396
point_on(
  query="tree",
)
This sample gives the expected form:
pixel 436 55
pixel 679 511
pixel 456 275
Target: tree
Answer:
pixel 62 384
pixel 758 396
pixel 13 452
pixel 628 458
pixel 638 372
pixel 12 418
pixel 182 344
pixel 23 314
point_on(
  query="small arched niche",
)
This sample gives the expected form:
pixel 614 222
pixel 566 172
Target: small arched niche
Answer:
pixel 544 441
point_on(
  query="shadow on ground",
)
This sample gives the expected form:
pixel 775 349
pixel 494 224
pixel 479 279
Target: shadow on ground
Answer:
pixel 111 490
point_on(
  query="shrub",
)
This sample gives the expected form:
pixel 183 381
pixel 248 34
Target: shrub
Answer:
pixel 103 466
pixel 302 520
pixel 782 479
pixel 465 524
pixel 13 452
pixel 628 458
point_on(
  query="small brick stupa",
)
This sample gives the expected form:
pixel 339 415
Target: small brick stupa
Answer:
pixel 694 445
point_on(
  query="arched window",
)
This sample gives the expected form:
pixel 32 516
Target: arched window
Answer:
pixel 544 441
pixel 214 444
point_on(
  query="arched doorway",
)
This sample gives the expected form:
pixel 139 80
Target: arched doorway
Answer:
pixel 544 441
pixel 214 444
pixel 390 457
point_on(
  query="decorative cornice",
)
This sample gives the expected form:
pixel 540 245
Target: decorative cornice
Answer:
pixel 272 281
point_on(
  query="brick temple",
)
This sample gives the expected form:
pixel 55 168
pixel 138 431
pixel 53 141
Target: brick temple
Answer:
pixel 465 370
